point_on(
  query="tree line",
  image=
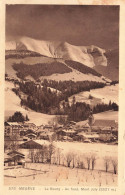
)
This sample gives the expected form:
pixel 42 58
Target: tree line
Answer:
pixel 82 68
pixel 53 155
pixel 18 54
pixel 18 117
pixel 69 88
pixel 40 69
pixel 42 99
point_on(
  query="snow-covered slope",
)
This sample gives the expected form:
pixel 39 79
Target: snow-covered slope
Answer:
pixel 88 55
pixel 12 104
pixel 101 95
pixel 74 75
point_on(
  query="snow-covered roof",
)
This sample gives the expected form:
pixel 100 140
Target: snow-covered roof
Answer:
pixel 15 152
pixel 88 135
pixel 106 128
pixel 44 133
pixel 42 142
pixel 13 124
pixel 105 123
pixel 69 131
pixel 29 123
pixel 67 137
pixel 31 134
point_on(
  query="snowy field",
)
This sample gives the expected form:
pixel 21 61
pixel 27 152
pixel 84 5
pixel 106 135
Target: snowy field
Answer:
pixel 49 175
pixel 106 94
pixel 74 76
pixel 108 115
pixel 81 151
pixel 12 104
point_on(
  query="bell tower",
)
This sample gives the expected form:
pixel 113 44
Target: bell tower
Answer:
pixel 90 120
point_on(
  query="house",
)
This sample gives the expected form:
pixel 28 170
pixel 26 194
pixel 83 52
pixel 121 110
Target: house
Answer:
pixel 90 136
pixel 72 123
pixel 8 129
pixel 60 133
pixel 14 158
pixel 67 138
pixel 31 136
pixel 29 125
pixel 104 126
pixel 34 144
pixel 22 133
pixel 7 160
pixel 30 131
pixel 48 127
pixel 15 152
pixel 69 132
pixel 12 128
pixel 47 135
pixel 104 123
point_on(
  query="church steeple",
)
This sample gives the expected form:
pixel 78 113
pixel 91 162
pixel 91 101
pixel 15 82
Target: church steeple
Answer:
pixel 91 119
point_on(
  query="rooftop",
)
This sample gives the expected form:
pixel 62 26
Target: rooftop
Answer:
pixel 105 123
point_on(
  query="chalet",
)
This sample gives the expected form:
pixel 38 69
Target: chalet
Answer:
pixel 90 136
pixel 34 144
pixel 78 138
pixel 67 138
pixel 29 125
pixel 60 134
pixel 72 123
pixel 69 132
pixel 8 129
pixel 15 152
pixel 104 126
pixel 7 160
pixel 47 135
pixel 31 136
pixel 48 127
pixel 14 158
pixel 30 131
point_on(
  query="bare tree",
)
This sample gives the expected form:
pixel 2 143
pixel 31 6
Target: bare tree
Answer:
pixel 68 158
pixel 42 154
pixel 63 159
pixel 93 161
pixel 31 154
pixel 51 151
pixel 58 154
pixel 115 165
pixel 88 160
pixel 78 161
pixel 73 158
pixel 106 163
pixel 37 156
pixel 81 166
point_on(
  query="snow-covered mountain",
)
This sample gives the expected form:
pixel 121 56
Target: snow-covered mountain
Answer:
pixel 90 56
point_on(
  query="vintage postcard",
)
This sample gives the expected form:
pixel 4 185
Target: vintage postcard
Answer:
pixel 62 97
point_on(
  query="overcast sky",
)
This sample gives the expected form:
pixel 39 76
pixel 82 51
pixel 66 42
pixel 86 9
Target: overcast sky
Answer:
pixel 78 25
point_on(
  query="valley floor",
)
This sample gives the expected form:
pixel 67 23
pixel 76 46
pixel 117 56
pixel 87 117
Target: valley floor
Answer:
pixel 51 175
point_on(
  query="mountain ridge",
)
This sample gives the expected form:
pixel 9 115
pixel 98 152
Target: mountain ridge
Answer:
pixel 58 49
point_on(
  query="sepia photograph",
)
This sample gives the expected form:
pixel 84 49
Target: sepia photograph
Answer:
pixel 61 95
